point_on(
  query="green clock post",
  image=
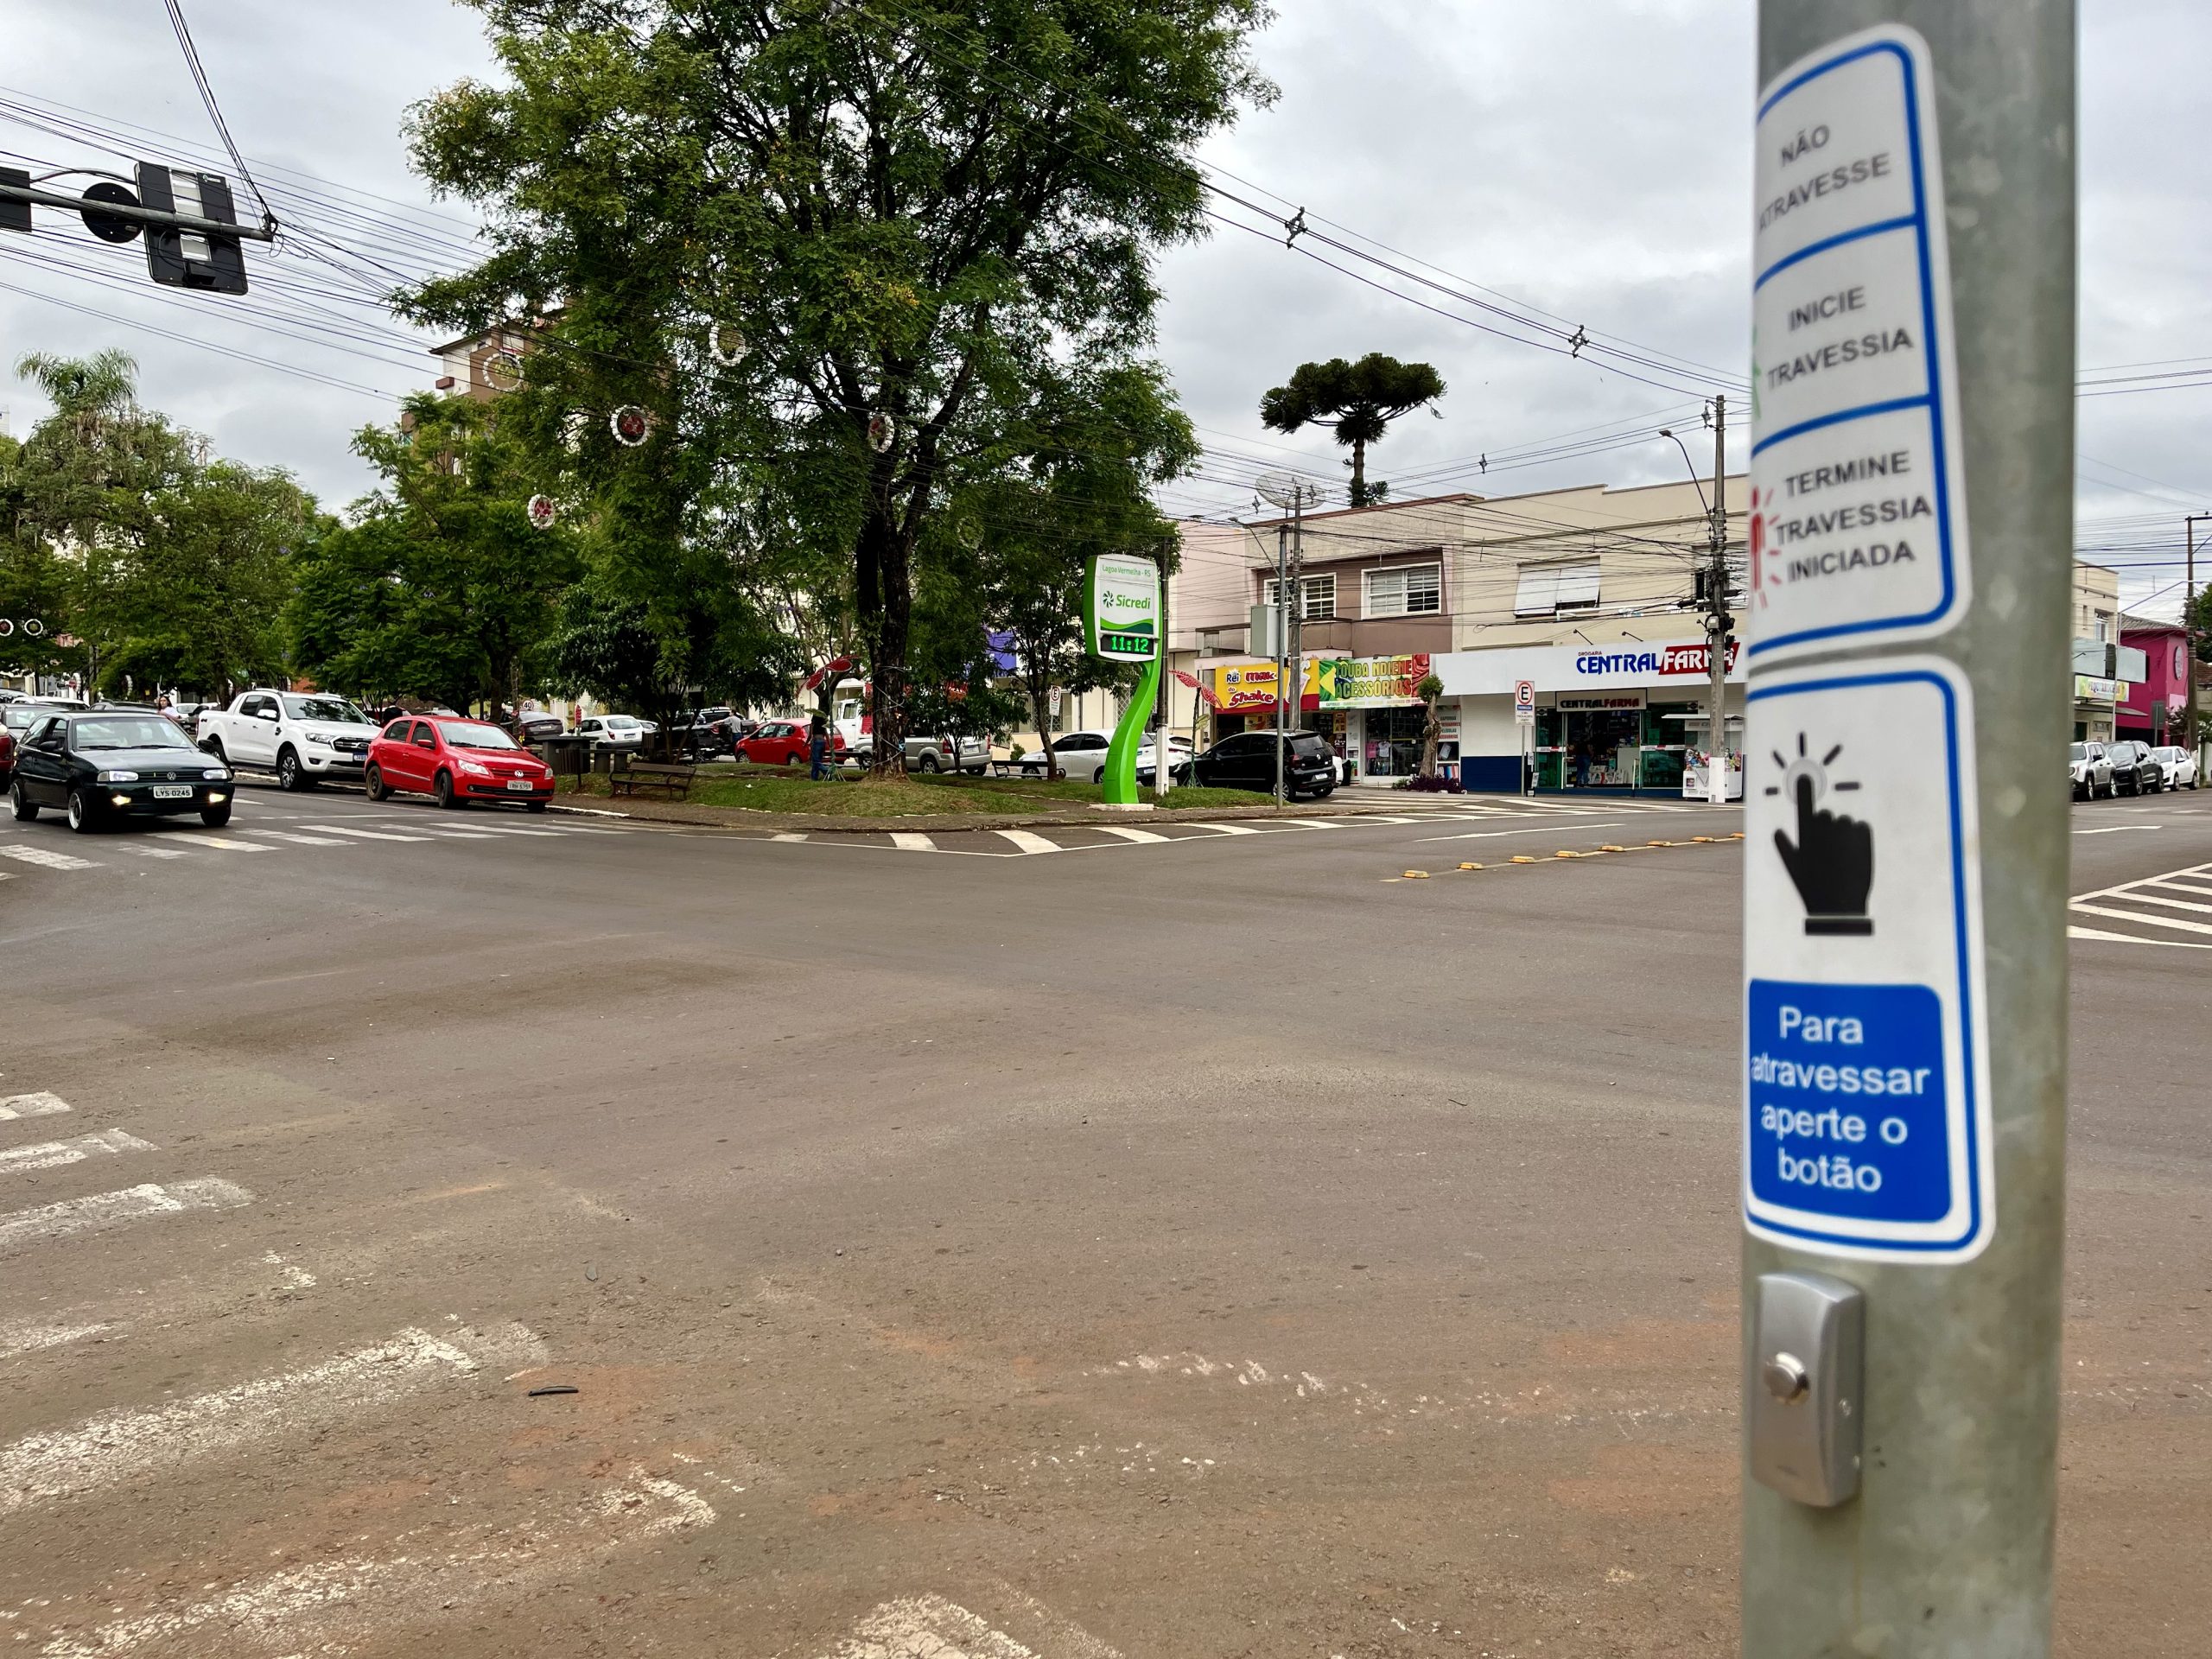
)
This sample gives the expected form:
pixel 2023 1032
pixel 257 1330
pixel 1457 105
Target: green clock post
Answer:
pixel 1121 623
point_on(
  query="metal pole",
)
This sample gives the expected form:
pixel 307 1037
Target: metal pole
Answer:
pixel 1717 617
pixel 2188 642
pixel 1163 760
pixel 1282 641
pixel 132 213
pixel 1945 1552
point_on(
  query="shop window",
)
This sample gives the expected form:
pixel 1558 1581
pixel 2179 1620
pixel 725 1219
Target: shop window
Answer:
pixel 1317 597
pixel 1556 589
pixel 1410 590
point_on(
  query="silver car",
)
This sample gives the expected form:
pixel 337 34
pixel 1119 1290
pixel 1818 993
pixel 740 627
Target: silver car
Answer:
pixel 2090 769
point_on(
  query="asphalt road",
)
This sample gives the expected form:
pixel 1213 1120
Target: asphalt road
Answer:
pixel 1224 1245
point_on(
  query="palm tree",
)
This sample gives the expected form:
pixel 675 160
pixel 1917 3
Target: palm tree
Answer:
pixel 1359 399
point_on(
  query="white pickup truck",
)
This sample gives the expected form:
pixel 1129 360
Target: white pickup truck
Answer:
pixel 302 737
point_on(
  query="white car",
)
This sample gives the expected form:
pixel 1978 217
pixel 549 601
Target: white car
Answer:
pixel 2177 766
pixel 302 737
pixel 2088 769
pixel 614 731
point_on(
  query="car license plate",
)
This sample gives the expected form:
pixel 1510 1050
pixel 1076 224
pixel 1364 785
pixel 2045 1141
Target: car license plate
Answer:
pixel 522 786
pixel 172 791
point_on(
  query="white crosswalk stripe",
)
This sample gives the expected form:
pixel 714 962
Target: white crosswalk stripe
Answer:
pixel 1029 841
pixel 40 1104
pixel 53 1154
pixel 228 844
pixel 2149 904
pixel 1123 832
pixel 103 1211
pixel 911 841
pixel 297 839
pixel 120 1445
pixel 366 834
pixel 46 858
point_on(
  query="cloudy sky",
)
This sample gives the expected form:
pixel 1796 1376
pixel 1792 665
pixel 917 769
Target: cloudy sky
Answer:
pixel 1581 163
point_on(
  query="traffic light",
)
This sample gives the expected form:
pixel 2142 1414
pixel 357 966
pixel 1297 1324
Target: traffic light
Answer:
pixel 182 259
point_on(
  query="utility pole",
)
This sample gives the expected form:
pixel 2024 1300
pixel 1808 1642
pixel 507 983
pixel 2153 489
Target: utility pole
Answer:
pixel 1717 620
pixel 1901 1277
pixel 2188 642
pixel 1282 643
pixel 1294 685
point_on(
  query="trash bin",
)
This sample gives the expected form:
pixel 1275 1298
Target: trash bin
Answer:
pixel 568 754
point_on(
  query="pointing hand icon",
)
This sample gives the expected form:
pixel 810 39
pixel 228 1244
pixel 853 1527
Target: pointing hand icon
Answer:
pixel 1832 862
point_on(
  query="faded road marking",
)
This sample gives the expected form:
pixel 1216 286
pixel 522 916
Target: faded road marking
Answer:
pixel 29 1338
pixel 105 1209
pixel 929 1627
pixel 52 1155
pixel 124 1445
pixel 1127 834
pixel 329 1603
pixel 38 1105
pixel 46 859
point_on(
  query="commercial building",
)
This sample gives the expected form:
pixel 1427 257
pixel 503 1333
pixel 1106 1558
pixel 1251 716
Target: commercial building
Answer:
pixel 2152 708
pixel 1590 593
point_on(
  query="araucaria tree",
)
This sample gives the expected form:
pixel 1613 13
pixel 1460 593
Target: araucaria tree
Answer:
pixel 830 247
pixel 1357 402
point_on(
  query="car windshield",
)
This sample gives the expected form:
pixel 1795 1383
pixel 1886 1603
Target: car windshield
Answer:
pixel 335 710
pixel 621 722
pixel 130 731
pixel 470 734
pixel 2080 751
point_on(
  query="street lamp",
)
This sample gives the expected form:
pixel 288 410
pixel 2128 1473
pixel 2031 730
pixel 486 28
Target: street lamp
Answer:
pixel 1717 620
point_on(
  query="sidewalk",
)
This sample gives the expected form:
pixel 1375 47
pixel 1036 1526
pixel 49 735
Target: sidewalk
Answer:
pixel 1342 804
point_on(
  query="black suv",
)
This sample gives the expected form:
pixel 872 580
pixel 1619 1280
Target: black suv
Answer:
pixel 1247 760
pixel 711 732
pixel 2134 771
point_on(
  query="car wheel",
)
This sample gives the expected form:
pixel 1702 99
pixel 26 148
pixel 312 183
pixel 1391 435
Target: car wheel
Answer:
pixel 215 816
pixel 81 812
pixel 290 775
pixel 442 788
pixel 373 781
pixel 928 763
pixel 214 746
pixel 793 759
pixel 1099 776
pixel 24 808
pixel 537 806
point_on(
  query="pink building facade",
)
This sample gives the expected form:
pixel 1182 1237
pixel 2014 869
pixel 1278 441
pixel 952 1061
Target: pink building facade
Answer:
pixel 2153 709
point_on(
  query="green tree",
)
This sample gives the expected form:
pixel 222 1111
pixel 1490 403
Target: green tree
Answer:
pixel 905 213
pixel 439 587
pixel 1430 691
pixel 160 565
pixel 1098 437
pixel 1357 401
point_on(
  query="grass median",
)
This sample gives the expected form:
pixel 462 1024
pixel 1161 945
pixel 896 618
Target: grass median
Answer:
pixel 854 795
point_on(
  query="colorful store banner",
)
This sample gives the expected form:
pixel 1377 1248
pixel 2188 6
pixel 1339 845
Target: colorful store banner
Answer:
pixel 1365 682
pixel 1244 686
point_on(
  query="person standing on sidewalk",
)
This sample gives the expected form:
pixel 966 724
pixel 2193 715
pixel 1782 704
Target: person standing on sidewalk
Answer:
pixel 817 747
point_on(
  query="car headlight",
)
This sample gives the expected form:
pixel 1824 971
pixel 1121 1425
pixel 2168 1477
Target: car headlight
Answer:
pixel 474 770
pixel 216 775
pixel 117 778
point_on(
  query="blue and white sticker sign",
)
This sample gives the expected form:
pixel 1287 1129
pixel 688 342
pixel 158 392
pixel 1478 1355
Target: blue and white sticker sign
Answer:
pixel 1857 528
pixel 1866 1126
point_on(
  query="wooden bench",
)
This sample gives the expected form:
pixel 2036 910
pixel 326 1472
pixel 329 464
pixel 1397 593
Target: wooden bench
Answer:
pixel 675 782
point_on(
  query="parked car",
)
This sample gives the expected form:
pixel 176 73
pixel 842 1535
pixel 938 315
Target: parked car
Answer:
pixel 1082 756
pixel 2176 766
pixel 2089 771
pixel 613 731
pixel 99 767
pixel 1247 760
pixel 302 737
pixel 1179 761
pixel 2133 771
pixel 784 743
pixel 531 726
pixel 709 733
pixel 939 751
pixel 7 756
pixel 456 761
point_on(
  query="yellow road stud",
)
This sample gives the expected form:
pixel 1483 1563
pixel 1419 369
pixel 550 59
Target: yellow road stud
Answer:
pixel 1470 867
pixel 1416 875
pixel 1522 858
pixel 1610 848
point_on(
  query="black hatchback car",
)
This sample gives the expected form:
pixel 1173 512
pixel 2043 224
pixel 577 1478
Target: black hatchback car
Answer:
pixel 96 767
pixel 2134 771
pixel 1247 760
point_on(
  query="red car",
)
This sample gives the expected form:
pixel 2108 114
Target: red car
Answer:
pixel 784 742
pixel 458 761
